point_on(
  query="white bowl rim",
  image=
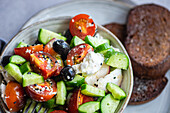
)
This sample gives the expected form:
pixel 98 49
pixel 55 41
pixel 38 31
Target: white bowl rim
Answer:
pixel 107 31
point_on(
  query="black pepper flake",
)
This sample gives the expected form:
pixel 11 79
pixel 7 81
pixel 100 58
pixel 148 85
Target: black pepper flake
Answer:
pixel 36 88
pixel 79 56
pixel 114 77
pixel 40 89
pixel 84 46
pixel 56 61
pixel 27 45
pixel 92 23
pixel 80 30
pixel 15 102
pixel 38 56
pixel 43 56
pixel 35 84
pixel 29 73
pixel 46 87
pixel 96 85
pixel 101 63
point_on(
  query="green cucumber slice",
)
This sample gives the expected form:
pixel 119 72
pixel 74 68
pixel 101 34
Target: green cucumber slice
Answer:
pixel 69 88
pixel 22 44
pixel 50 103
pixel 25 67
pixel 76 41
pixel 109 104
pixel 44 36
pixel 118 60
pixel 76 82
pixel 61 93
pixel 102 47
pixel 92 91
pixel 30 78
pixel 116 91
pixel 16 59
pixel 14 71
pixel 94 42
pixel 89 107
pixel 50 110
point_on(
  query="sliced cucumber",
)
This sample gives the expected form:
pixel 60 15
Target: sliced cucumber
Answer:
pixel 14 71
pixel 45 36
pixel 77 81
pixel 25 67
pixel 89 107
pixel 16 59
pixel 94 42
pixel 22 44
pixel 108 53
pixel 30 78
pixel 109 104
pixel 50 110
pixel 69 88
pixel 116 91
pixel 99 99
pixel 92 91
pixel 102 47
pixel 61 93
pixel 118 60
pixel 76 41
pixel 50 103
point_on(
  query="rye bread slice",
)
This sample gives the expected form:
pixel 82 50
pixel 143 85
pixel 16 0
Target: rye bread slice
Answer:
pixel 118 30
pixel 145 90
pixel 148 40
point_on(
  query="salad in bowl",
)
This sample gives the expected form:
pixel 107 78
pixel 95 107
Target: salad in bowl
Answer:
pixel 65 66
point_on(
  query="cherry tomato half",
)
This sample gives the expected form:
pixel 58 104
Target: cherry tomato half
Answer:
pixel 25 52
pixel 77 99
pixel 15 98
pixel 42 92
pixel 58 111
pixel 82 25
pixel 45 64
pixel 77 54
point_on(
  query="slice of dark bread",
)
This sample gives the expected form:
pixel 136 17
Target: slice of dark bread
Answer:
pixel 145 90
pixel 148 40
pixel 117 29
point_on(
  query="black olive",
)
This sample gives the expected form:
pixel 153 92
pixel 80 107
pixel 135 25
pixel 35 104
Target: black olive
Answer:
pixel 62 48
pixel 68 36
pixel 67 73
pixel 5 60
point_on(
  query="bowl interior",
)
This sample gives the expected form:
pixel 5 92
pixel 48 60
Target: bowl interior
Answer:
pixel 29 35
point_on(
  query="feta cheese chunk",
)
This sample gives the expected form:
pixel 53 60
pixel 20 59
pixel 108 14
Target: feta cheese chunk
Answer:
pixel 91 64
pixel 114 77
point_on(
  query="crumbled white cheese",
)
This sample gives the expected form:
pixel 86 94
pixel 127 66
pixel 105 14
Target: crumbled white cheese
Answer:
pixel 91 63
pixel 114 77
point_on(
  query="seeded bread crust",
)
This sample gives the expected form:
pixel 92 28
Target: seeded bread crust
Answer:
pixel 148 40
pixel 117 29
pixel 145 90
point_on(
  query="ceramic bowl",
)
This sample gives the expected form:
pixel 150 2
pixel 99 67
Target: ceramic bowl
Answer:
pixel 29 35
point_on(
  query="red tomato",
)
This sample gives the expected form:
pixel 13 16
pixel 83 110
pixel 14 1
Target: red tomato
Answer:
pixel 26 51
pixel 14 96
pixel 77 99
pixel 58 111
pixel 77 54
pixel 82 25
pixel 45 64
pixel 42 92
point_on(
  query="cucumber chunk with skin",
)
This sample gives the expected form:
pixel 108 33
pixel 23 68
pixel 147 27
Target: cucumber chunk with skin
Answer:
pixel 102 47
pixel 45 36
pixel 116 91
pixel 22 44
pixel 118 60
pixel 76 82
pixel 89 107
pixel 50 103
pixel 92 91
pixel 109 104
pixel 14 71
pixel 76 41
pixel 16 59
pixel 25 67
pixel 61 93
pixel 94 42
pixel 30 78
